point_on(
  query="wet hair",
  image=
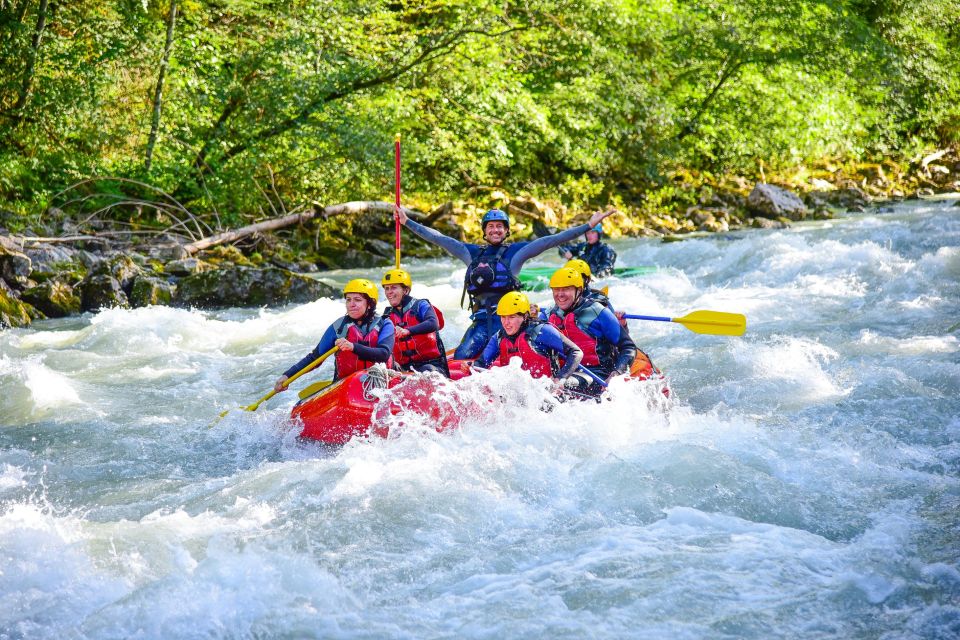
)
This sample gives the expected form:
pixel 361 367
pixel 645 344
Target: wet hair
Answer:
pixel 371 309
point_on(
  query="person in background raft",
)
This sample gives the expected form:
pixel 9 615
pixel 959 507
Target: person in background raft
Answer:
pixel 599 255
pixel 492 268
pixel 363 337
pixel 417 324
pixel 542 349
pixel 608 350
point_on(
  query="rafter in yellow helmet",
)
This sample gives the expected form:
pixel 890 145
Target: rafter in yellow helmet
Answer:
pixel 513 302
pixel 566 277
pixel 581 266
pixel 361 285
pixel 397 276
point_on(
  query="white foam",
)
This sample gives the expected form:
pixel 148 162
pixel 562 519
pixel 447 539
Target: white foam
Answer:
pixel 871 342
pixel 800 481
pixel 794 367
pixel 12 477
pixel 49 389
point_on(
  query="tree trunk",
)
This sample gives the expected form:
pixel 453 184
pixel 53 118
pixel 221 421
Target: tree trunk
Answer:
pixel 158 93
pixel 289 220
pixel 28 73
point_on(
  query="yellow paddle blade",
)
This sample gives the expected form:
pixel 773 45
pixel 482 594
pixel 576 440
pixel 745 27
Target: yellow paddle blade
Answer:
pixel 309 390
pixel 717 323
pixel 255 405
pixel 310 367
pixel 605 291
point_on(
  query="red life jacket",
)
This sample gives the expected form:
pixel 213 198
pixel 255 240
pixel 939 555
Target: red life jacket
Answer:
pixel 537 364
pixel 574 325
pixel 414 348
pixel 347 361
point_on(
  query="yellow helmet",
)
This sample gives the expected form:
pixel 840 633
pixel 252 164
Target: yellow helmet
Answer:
pixel 581 266
pixel 513 302
pixel 566 277
pixel 397 276
pixel 361 285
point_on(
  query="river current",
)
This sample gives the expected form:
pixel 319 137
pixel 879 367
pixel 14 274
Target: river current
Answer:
pixel 803 481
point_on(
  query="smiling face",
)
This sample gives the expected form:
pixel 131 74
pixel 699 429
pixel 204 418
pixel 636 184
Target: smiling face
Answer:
pixel 592 237
pixel 357 305
pixel 494 232
pixel 511 324
pixel 395 293
pixel 565 297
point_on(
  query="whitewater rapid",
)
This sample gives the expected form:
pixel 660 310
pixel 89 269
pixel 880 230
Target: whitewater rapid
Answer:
pixel 801 482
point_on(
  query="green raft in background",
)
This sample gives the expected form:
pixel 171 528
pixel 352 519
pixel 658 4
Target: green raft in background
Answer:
pixel 537 278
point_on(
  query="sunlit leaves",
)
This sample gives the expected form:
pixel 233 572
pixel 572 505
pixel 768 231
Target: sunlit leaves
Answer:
pixel 578 97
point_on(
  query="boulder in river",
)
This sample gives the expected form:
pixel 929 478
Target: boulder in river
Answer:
pixel 54 298
pixel 186 267
pixel 121 267
pixel 147 290
pixel 15 268
pixel 770 201
pixel 846 198
pixel 13 311
pixel 249 287
pixel 101 291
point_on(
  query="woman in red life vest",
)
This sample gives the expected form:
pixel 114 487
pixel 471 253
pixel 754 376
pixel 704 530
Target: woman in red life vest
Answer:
pixel 608 350
pixel 417 324
pixel 363 338
pixel 542 349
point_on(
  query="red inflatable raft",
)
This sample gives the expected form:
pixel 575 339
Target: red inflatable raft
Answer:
pixel 346 408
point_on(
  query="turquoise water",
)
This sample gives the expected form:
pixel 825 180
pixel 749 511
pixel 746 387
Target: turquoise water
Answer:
pixel 802 483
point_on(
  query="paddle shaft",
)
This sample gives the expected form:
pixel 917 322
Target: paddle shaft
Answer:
pixel 600 381
pixel 396 158
pixel 307 369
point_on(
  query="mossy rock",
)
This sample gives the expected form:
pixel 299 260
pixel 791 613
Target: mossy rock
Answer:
pixel 148 291
pixel 15 267
pixel 14 312
pixel 54 298
pixel 249 287
pixel 187 267
pixel 101 291
pixel 227 254
pixel 120 267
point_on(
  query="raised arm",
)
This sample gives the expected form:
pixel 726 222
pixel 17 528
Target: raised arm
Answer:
pixel 540 245
pixel 452 246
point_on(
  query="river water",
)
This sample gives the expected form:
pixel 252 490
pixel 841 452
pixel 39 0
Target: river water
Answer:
pixel 802 482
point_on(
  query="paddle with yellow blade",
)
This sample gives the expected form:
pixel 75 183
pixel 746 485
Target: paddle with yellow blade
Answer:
pixel 307 369
pixel 717 323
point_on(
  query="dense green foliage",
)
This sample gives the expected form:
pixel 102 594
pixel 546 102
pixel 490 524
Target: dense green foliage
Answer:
pixel 267 105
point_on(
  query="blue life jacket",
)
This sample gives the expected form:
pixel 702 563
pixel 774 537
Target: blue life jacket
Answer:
pixel 489 277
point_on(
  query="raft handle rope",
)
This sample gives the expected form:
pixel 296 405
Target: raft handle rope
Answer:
pixel 375 378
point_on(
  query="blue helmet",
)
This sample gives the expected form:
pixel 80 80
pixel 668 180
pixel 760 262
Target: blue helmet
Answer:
pixel 495 214
pixel 598 228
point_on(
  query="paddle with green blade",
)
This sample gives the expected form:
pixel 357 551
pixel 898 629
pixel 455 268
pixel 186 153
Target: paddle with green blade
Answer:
pixel 717 323
pixel 307 369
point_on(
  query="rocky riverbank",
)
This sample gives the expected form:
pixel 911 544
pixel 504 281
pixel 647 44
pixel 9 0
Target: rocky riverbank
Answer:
pixel 67 267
